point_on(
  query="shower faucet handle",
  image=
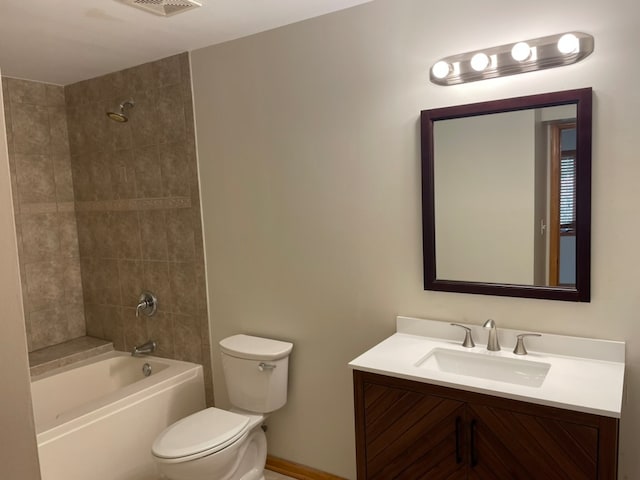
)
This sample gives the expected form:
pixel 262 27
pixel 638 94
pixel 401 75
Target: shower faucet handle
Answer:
pixel 147 303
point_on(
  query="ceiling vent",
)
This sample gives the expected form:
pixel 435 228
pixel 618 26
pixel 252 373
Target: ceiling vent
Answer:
pixel 164 8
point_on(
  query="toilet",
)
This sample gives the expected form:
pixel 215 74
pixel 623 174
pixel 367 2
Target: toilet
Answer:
pixel 216 444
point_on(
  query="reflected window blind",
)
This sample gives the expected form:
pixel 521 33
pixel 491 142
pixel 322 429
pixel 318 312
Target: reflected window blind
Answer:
pixel 568 193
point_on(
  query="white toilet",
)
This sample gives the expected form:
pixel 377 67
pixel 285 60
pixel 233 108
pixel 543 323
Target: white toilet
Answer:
pixel 216 444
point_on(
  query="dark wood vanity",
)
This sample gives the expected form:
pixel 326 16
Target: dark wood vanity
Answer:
pixel 412 430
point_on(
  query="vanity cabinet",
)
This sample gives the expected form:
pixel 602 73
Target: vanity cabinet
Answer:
pixel 412 430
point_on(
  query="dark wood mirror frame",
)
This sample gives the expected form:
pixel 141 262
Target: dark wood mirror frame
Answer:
pixel 582 99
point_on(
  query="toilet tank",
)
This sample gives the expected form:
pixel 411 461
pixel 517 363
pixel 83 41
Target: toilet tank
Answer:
pixel 256 372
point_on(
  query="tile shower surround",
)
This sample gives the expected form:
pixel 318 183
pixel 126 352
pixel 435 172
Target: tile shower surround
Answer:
pixel 137 209
pixel 40 165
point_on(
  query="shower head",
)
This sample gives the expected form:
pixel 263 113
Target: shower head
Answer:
pixel 120 116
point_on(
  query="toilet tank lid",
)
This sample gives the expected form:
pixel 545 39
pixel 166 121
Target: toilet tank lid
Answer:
pixel 255 348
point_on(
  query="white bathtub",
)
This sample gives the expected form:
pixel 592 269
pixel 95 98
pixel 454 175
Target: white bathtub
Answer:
pixel 97 419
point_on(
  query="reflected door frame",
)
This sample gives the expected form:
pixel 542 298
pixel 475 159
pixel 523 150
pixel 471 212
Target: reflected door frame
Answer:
pixel 554 200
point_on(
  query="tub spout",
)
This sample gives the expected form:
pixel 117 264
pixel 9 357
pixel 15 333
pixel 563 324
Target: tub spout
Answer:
pixel 144 349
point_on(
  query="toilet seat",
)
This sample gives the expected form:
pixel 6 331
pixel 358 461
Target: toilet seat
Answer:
pixel 203 433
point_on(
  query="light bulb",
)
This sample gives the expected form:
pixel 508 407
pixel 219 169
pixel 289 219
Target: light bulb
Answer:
pixel 521 51
pixel 479 62
pixel 441 69
pixel 568 43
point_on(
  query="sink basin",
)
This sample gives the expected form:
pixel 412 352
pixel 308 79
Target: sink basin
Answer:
pixel 490 367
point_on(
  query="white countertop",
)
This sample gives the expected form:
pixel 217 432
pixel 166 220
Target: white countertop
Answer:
pixel 588 379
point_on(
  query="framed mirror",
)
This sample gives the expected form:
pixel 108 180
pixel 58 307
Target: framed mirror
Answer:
pixel 506 197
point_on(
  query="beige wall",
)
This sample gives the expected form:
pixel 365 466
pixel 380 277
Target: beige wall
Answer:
pixel 484 198
pixel 40 166
pixel 19 455
pixel 309 157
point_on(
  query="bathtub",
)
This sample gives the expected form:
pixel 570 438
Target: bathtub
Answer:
pixel 98 418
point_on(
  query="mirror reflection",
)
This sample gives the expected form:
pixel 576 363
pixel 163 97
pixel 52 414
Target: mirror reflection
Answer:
pixel 505 197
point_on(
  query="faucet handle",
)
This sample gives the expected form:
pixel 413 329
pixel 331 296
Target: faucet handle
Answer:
pixel 468 339
pixel 147 303
pixel 520 349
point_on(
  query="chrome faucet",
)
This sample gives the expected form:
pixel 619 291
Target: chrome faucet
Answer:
pixel 492 341
pixel 144 349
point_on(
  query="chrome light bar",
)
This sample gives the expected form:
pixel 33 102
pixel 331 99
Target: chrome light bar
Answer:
pixel 512 58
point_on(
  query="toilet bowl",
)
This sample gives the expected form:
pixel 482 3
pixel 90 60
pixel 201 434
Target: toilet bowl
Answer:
pixel 216 444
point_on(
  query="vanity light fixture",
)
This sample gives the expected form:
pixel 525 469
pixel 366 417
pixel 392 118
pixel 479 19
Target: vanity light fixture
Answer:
pixel 511 58
pixel 479 61
pixel 521 51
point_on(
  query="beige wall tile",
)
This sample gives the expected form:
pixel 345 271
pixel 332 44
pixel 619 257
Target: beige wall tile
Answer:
pixel 171 117
pixel 48 327
pixel 131 282
pixel 100 281
pixel 208 374
pixel 63 177
pixel 148 172
pixel 124 177
pixel 105 321
pixel 81 174
pixel 166 71
pixel 85 237
pixel 21 91
pixel 72 282
pixel 177 171
pixel 153 234
pixel 104 242
pixel 69 247
pixel 54 95
pixel 93 320
pixel 35 178
pixel 187 339
pixel 76 326
pixel 42 185
pixel 135 329
pixel 156 280
pixel 125 231
pixel 45 284
pixel 100 167
pixel 58 134
pixel 123 174
pixel 95 125
pixel 113 327
pixel 180 234
pixel 40 237
pixel 78 142
pixel 115 86
pixel 145 127
pixel 182 278
pixel 160 329
pixel 30 126
pixel 138 79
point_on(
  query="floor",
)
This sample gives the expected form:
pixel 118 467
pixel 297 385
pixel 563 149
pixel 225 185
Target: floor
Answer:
pixel 269 475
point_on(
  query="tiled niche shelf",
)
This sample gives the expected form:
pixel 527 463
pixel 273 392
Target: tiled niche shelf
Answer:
pixel 49 358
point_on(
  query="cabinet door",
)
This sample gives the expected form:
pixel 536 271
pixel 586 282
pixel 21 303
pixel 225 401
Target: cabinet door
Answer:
pixel 411 435
pixel 516 446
